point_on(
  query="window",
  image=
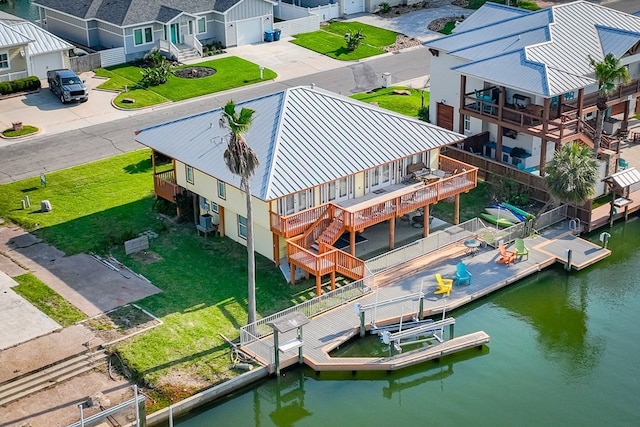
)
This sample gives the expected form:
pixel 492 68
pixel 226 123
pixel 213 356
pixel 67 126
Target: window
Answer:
pixel 242 226
pixel 214 207
pixel 4 60
pixel 190 25
pixel 222 193
pixel 142 36
pixel 189 173
pixel 202 25
pixel 467 122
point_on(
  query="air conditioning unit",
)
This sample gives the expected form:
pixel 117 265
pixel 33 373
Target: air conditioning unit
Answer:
pixel 206 221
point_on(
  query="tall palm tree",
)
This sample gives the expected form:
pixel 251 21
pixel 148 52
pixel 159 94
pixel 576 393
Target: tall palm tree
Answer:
pixel 242 161
pixel 572 174
pixel 609 74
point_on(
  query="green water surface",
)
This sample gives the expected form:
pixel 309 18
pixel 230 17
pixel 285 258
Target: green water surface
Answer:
pixel 564 351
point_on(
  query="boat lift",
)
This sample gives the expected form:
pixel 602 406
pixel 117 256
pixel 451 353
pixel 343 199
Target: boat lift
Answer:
pixel 360 310
pixel 422 333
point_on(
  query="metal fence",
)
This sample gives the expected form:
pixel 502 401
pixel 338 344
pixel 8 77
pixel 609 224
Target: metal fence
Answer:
pixel 313 307
pixel 424 246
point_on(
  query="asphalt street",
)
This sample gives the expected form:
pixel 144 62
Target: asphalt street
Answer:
pixel 48 153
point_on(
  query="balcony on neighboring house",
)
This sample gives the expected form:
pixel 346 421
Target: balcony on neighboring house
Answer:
pixel 165 185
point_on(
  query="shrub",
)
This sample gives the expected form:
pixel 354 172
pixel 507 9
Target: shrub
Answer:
pixel 384 7
pixel 353 39
pixel 423 114
pixel 5 88
pixel 155 76
pixel 25 84
pixel 154 57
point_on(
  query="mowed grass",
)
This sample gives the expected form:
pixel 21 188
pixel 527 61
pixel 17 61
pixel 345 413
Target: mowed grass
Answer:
pixel 47 300
pixel 330 41
pixel 231 72
pixel 403 104
pixel 203 281
pixel 94 205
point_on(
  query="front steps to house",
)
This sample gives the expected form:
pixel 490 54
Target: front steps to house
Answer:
pixel 187 53
pixel 32 382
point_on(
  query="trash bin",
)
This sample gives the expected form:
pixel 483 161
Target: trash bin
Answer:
pixel 268 35
pixel 276 34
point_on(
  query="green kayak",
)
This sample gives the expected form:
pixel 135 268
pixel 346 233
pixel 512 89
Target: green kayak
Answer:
pixel 502 222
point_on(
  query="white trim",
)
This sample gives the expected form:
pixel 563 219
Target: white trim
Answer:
pixel 8 61
pixel 198 19
pixel 240 226
pixel 144 35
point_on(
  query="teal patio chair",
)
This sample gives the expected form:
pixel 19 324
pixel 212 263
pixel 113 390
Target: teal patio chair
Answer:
pixel 521 249
pixel 622 164
pixel 462 274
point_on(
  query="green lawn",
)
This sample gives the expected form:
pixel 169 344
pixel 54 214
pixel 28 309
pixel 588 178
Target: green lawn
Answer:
pixel 403 104
pixel 204 282
pixel 26 130
pixel 231 72
pixel 330 40
pixel 47 300
pixel 94 205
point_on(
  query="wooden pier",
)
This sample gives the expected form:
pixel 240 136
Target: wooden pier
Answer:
pixel 329 330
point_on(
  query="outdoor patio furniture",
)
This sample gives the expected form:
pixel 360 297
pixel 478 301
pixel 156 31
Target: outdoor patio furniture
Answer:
pixel 622 164
pixel 506 257
pixel 521 249
pixel 444 285
pixel 462 274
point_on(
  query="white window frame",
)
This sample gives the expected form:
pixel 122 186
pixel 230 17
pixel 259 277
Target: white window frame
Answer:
pixel 467 122
pixel 204 20
pixel 242 226
pixel 190 27
pixel 214 207
pixel 5 53
pixel 188 171
pixel 222 190
pixel 143 34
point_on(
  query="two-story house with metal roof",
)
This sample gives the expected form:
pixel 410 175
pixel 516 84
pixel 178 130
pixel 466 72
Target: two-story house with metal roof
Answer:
pixel 330 166
pixel 523 79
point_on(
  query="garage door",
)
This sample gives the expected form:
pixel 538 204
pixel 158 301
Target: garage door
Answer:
pixel 353 6
pixel 46 61
pixel 249 31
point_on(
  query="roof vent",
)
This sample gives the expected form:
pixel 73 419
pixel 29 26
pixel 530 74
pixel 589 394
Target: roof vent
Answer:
pixel 313 85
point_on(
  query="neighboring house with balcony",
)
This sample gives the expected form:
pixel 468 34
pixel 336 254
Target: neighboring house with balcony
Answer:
pixel 28 50
pixel 523 80
pixel 179 27
pixel 329 165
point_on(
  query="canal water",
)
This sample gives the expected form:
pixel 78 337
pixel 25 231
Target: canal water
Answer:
pixel 564 351
pixel 20 8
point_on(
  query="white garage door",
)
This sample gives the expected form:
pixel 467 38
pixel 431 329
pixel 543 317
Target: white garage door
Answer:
pixel 46 61
pixel 249 31
pixel 353 6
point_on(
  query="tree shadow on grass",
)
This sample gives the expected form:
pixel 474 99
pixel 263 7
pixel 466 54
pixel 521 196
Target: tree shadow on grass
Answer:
pixel 340 52
pixel 140 167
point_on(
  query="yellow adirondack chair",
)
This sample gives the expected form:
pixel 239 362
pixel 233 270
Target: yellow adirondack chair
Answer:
pixel 444 285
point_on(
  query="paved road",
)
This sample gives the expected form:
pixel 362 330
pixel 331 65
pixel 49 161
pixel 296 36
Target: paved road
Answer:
pixel 54 152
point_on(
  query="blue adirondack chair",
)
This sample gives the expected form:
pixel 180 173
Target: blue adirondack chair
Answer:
pixel 462 274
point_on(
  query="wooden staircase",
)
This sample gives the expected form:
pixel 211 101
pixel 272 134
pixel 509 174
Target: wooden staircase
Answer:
pixel 332 233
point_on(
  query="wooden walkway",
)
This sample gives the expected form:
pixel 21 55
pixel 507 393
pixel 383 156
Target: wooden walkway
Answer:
pixel 327 331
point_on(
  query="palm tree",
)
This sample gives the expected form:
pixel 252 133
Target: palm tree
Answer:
pixel 609 73
pixel 242 161
pixel 571 175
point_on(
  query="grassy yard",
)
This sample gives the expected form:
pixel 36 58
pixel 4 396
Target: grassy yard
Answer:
pixel 47 300
pixel 204 282
pixel 403 104
pixel 330 41
pixel 231 72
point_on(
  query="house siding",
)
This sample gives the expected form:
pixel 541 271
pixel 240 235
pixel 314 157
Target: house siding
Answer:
pixel 249 9
pixel 234 204
pixel 67 27
pixel 110 35
pixel 17 62
pixel 136 52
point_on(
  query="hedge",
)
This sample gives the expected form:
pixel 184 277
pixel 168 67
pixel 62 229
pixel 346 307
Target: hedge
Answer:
pixel 21 85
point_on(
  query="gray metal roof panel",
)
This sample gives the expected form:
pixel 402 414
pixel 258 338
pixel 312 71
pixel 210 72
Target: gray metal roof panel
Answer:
pixel 42 40
pixel 303 138
pixel 626 177
pixel 505 44
pixel 10 37
pixel 491 14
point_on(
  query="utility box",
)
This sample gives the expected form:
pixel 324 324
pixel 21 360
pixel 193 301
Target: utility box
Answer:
pixel 45 206
pixel 386 79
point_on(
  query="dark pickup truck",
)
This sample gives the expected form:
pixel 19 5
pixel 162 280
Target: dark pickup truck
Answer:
pixel 67 86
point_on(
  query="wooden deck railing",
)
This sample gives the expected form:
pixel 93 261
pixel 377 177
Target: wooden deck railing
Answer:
pixel 165 186
pixel 292 225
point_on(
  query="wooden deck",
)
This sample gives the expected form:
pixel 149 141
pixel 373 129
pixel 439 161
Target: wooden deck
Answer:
pixel 327 331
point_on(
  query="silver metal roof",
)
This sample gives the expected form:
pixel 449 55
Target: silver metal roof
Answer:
pixel 10 37
pixel 42 41
pixel 625 178
pixel 493 13
pixel 575 31
pixel 303 137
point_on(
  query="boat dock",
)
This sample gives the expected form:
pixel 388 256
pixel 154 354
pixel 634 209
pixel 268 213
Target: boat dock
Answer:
pixel 325 332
